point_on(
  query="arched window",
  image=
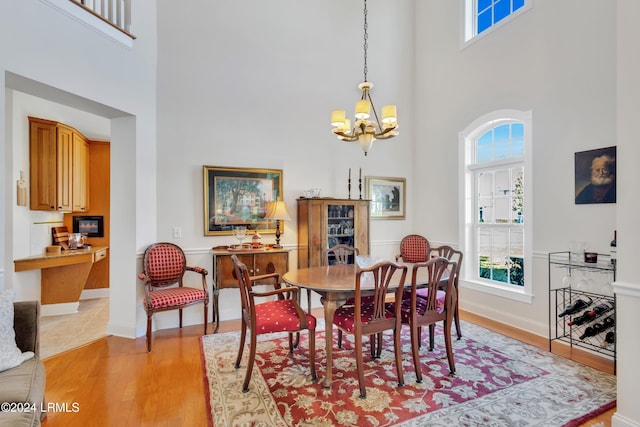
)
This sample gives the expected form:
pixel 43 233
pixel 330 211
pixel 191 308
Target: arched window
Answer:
pixel 496 216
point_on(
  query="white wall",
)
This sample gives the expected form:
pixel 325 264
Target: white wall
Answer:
pixel 543 61
pixel 256 88
pixel 47 54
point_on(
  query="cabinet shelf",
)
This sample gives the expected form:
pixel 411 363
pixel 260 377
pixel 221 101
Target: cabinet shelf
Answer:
pixel 565 295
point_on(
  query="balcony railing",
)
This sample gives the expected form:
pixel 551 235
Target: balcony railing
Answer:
pixel 116 13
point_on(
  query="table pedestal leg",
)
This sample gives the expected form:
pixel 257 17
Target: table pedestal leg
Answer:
pixel 330 306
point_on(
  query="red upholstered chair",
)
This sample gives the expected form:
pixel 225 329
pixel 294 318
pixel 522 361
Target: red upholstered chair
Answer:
pixel 452 255
pixel 414 248
pixel 278 315
pixel 438 306
pixel 370 317
pixel 164 265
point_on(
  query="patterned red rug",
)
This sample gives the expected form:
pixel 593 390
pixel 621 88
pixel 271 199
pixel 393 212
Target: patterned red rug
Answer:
pixel 499 381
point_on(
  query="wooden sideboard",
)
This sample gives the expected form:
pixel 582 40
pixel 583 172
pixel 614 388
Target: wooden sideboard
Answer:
pixel 64 274
pixel 262 261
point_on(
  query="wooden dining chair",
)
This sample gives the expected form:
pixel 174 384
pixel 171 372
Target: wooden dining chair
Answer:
pixel 282 314
pixel 370 317
pixel 437 306
pixel 414 248
pixel 452 255
pixel 164 264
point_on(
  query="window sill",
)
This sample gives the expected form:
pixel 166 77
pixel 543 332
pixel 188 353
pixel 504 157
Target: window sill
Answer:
pixel 504 291
pixel 91 21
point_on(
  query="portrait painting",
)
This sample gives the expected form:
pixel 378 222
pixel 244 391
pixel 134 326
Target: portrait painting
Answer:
pixel 595 176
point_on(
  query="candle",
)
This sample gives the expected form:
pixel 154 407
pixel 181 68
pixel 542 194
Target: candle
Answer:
pixel 349 173
pixel 360 176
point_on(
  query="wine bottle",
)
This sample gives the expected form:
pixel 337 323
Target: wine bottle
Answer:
pixel 608 339
pixel 614 253
pixel 596 328
pixel 577 305
pixel 590 314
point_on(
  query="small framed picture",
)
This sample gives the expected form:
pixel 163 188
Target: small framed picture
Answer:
pixel 387 197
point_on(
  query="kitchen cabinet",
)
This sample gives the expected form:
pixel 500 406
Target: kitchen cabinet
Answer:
pixel 58 167
pixel 326 222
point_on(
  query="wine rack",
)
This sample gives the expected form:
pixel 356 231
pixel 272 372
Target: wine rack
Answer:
pixel 590 282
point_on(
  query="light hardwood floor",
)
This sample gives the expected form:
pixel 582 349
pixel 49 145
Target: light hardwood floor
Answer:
pixel 114 381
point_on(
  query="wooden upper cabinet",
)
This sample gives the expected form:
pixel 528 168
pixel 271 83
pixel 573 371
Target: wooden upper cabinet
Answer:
pixel 44 165
pixel 80 187
pixel 59 169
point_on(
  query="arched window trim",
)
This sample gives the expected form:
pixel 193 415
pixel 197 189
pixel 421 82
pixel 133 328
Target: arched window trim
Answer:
pixel 467 138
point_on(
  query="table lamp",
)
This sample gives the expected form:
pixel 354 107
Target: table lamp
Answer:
pixel 277 211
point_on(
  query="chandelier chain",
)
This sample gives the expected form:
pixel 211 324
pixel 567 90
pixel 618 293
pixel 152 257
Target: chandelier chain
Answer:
pixel 366 37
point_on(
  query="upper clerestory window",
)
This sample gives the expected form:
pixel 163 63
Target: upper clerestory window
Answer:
pixel 482 15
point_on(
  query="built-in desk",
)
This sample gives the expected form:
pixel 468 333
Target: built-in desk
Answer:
pixel 64 275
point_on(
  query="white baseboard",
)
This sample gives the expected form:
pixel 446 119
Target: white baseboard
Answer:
pixel 95 293
pixel 58 309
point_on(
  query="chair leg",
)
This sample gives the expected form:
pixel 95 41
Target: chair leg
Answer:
pixel 359 365
pixel 397 346
pixel 309 301
pixel 206 315
pixel 447 342
pixel 456 316
pixel 291 343
pixel 243 336
pixel 180 310
pixel 252 358
pixel 312 354
pixel 432 329
pixel 148 332
pixel 339 338
pixel 415 346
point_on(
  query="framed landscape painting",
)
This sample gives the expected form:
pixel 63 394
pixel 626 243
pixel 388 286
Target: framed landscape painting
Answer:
pixel 237 197
pixel 387 197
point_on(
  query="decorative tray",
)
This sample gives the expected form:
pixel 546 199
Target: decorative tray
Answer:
pixel 246 248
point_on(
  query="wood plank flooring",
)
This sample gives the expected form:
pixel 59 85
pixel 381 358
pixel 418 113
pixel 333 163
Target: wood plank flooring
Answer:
pixel 115 382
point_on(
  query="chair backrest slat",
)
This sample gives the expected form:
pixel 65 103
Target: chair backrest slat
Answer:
pixel 343 254
pixel 380 276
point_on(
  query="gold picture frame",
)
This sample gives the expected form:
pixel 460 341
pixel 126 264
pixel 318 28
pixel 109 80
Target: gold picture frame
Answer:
pixel 237 197
pixel 387 195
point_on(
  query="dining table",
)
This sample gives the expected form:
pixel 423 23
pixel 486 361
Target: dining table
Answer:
pixel 336 284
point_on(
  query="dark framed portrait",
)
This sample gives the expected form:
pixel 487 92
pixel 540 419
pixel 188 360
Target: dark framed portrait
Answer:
pixel 595 176
pixel 238 197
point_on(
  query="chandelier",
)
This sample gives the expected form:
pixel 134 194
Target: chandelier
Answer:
pixel 365 129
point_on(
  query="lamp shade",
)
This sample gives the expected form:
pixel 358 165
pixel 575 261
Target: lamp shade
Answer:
pixel 277 210
pixel 338 117
pixel 389 114
pixel 363 109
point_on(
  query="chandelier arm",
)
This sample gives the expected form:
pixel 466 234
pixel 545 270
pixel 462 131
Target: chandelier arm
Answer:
pixel 375 113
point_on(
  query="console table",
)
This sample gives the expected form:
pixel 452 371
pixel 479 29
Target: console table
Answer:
pixel 258 261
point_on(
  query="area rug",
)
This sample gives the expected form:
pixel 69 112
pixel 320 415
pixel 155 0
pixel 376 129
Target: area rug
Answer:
pixel 499 381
